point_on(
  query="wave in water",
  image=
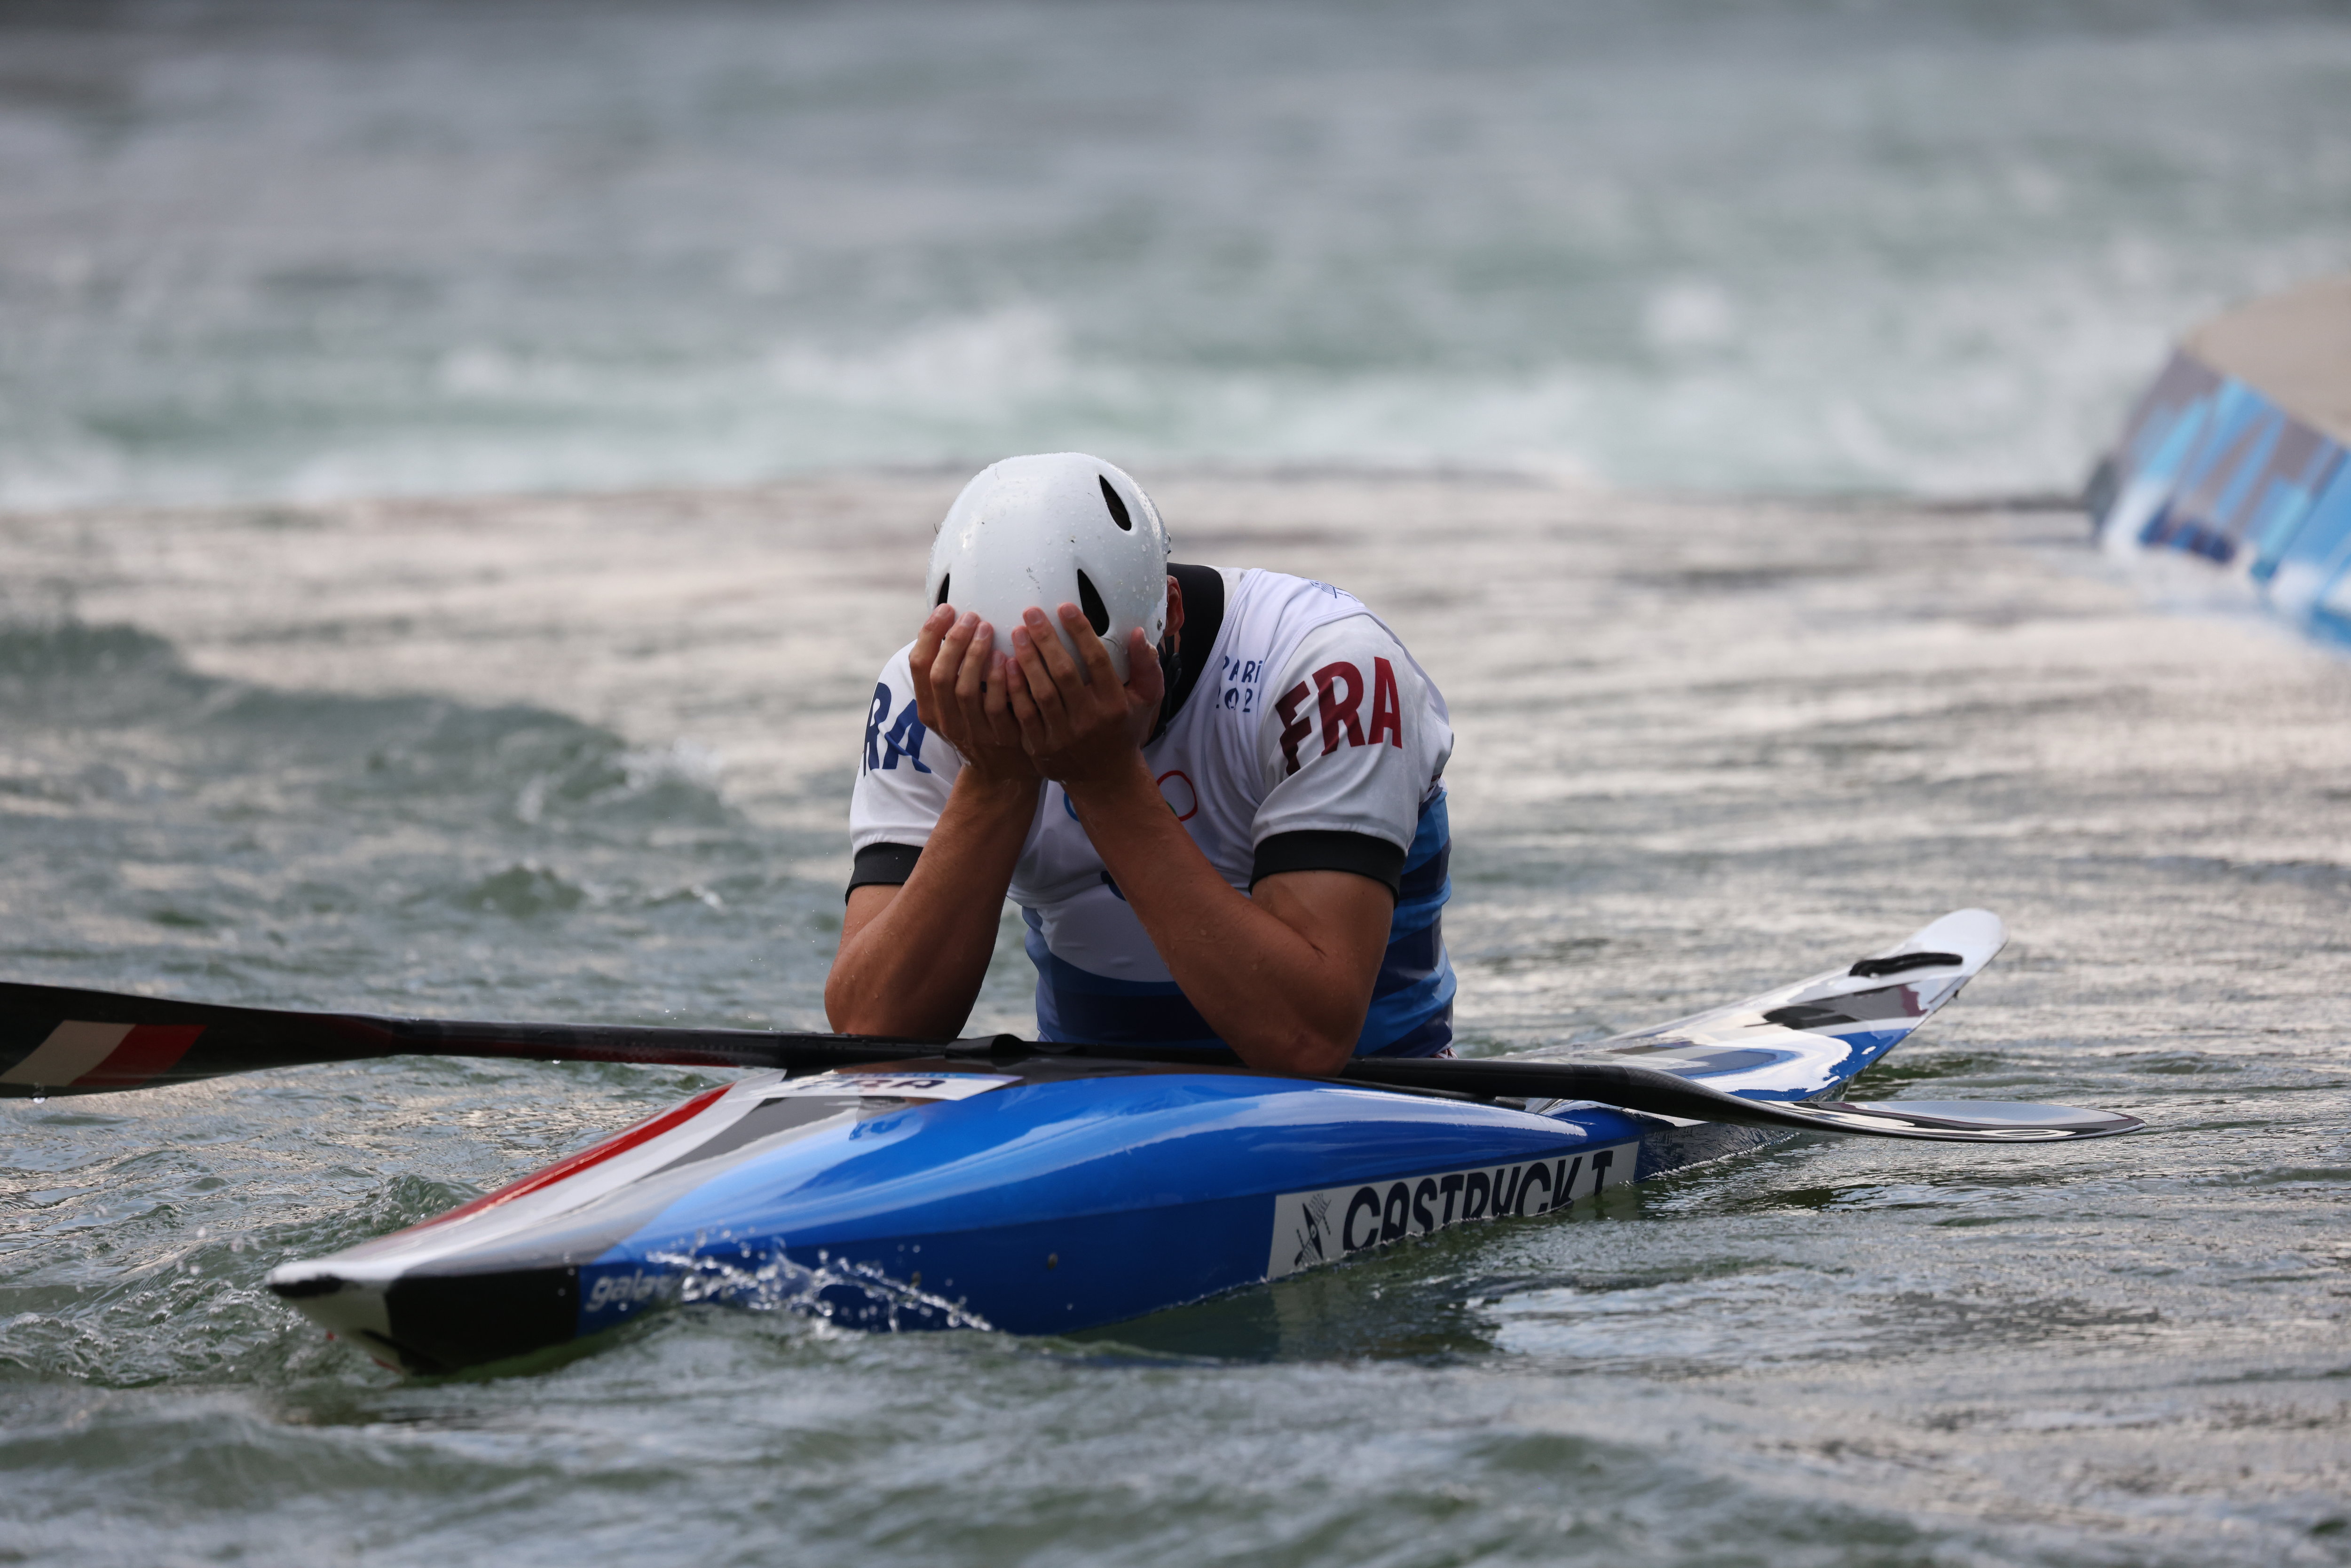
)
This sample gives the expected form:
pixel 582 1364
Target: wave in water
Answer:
pixel 265 250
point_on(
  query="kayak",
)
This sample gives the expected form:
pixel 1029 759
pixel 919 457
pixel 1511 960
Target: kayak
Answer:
pixel 1054 1193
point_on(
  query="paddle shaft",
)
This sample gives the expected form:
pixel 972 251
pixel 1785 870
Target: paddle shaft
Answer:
pixel 60 1040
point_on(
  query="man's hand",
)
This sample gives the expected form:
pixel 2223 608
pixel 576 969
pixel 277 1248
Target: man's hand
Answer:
pixel 1081 729
pixel 912 958
pixel 960 695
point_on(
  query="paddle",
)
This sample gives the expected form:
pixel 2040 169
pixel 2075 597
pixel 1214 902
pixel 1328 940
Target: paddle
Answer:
pixel 65 1042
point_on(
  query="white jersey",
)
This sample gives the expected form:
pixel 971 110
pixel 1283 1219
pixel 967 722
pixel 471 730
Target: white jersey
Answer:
pixel 1309 739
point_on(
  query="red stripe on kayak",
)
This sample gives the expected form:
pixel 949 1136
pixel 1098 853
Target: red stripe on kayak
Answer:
pixel 149 1048
pixel 620 1144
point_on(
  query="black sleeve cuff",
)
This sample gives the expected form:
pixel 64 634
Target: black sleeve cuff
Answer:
pixel 1358 852
pixel 883 865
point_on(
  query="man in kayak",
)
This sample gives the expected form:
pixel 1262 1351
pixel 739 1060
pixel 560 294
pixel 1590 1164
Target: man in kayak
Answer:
pixel 1215 794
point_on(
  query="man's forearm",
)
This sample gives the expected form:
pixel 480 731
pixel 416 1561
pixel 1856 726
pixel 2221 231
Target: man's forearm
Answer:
pixel 1268 990
pixel 915 967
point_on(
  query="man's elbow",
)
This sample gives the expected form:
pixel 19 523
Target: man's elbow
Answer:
pixel 1309 1053
pixel 840 1013
pixel 851 1013
pixel 1329 1057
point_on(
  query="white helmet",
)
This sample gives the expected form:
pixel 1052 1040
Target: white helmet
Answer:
pixel 1059 528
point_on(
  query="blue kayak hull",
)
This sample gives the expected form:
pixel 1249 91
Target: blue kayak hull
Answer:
pixel 1047 1198
pixel 1061 1204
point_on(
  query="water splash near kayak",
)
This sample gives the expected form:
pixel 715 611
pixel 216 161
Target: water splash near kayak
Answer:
pixel 762 1279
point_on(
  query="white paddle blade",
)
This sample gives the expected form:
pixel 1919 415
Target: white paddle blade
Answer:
pixel 1970 1121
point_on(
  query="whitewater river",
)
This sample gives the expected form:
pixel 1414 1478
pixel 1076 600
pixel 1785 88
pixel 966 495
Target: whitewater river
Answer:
pixel 588 759
pixel 269 247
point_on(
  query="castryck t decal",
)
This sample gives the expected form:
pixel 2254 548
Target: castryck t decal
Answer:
pixel 1311 1228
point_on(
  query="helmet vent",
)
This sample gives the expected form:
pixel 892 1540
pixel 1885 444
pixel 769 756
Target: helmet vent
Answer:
pixel 1091 601
pixel 1117 514
pixel 944 578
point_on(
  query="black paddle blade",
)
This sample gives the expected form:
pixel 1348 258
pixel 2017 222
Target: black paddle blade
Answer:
pixel 57 1041
pixel 1668 1094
